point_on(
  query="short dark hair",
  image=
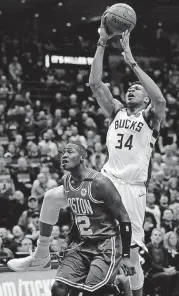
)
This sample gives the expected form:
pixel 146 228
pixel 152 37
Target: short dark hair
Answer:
pixel 136 82
pixel 139 83
pixel 81 149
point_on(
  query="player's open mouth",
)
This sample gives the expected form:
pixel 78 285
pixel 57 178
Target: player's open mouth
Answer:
pixel 64 162
pixel 130 96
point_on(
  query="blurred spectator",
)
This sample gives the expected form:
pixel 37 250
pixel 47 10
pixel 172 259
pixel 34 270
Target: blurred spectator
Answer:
pixel 56 232
pixel 46 171
pixel 167 223
pixel 149 225
pixel 5 253
pixel 175 208
pixel 26 217
pixel 23 176
pixel 6 238
pixel 41 122
pixel 57 104
pixel 15 70
pixel 47 146
pixel 163 203
pixel 18 236
pixel 153 208
pixel 64 230
pixel 33 228
pixel 26 244
pixel 54 246
pixel 171 245
pixel 75 137
pixel 17 205
pixel 41 186
pixel 98 158
pixel 161 273
pixel 50 79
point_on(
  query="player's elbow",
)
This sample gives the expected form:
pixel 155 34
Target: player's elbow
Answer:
pixel 124 217
pixel 161 101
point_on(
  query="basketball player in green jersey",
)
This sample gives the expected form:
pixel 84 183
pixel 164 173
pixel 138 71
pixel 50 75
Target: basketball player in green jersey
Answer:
pixel 130 140
pixel 92 260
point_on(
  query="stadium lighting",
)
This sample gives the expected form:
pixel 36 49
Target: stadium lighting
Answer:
pixel 60 4
pixel 68 24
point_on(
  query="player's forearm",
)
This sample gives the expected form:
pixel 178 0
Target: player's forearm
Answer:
pixel 150 86
pixel 122 217
pixel 97 67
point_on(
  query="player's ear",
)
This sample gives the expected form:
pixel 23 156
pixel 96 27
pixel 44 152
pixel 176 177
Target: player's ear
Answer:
pixel 146 100
pixel 82 159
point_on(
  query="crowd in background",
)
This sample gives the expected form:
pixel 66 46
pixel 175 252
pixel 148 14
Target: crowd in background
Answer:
pixel 40 111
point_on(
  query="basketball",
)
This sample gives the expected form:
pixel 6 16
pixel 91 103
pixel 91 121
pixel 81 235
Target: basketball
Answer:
pixel 119 18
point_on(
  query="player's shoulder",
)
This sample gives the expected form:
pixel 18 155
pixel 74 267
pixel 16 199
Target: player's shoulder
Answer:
pixel 117 105
pixel 100 181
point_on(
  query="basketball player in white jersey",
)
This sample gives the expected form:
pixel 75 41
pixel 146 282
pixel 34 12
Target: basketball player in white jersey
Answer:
pixel 130 139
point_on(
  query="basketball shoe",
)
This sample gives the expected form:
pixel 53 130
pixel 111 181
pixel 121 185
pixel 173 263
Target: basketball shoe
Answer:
pixel 30 263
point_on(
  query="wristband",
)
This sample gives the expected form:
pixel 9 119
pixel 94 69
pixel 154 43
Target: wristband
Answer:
pixel 126 234
pixel 133 65
pixel 101 44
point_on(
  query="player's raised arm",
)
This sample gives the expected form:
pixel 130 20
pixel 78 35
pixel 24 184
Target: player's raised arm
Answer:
pixel 103 189
pixel 102 93
pixel 157 100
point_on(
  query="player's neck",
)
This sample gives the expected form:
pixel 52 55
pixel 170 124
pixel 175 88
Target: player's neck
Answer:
pixel 133 110
pixel 78 174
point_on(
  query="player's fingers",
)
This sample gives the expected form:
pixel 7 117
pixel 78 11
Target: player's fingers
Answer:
pixel 122 43
pixel 102 21
pixel 131 270
pixel 103 17
pixel 125 270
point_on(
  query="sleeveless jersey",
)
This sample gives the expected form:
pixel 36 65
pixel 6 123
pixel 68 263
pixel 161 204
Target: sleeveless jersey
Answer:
pixel 91 216
pixel 130 142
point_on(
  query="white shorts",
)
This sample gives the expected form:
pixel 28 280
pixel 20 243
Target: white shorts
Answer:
pixel 134 200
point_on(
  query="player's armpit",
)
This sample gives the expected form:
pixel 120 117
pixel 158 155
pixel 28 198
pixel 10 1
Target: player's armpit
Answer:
pixel 151 118
pixel 104 98
pixel 104 190
pixel 158 110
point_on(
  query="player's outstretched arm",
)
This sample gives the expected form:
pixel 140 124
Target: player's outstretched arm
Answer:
pixel 99 89
pixel 155 94
pixel 103 189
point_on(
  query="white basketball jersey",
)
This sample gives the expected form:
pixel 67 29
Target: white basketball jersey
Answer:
pixel 130 142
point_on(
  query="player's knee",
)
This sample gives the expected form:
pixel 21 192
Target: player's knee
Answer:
pixel 137 280
pixel 60 289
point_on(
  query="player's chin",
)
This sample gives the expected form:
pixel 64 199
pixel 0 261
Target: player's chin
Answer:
pixel 67 166
pixel 131 102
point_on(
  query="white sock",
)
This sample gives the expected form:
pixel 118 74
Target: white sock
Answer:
pixel 42 249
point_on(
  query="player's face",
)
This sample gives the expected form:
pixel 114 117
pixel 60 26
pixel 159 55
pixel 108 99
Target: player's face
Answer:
pixel 70 157
pixel 136 96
